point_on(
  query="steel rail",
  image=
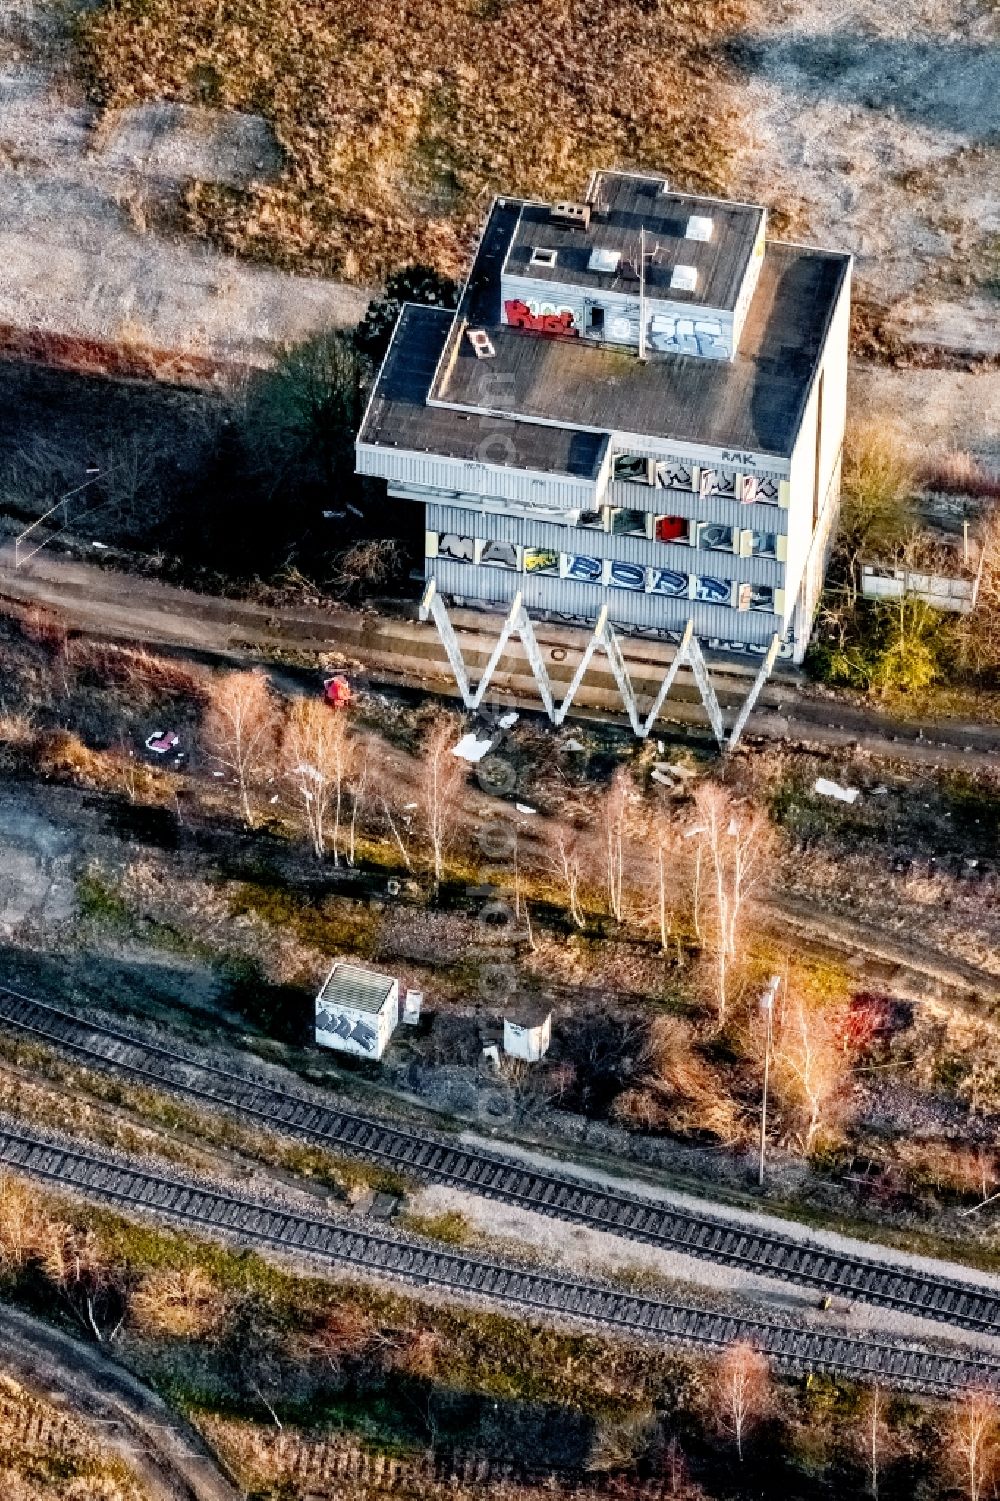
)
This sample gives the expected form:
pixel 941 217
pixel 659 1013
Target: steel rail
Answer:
pixel 108 1179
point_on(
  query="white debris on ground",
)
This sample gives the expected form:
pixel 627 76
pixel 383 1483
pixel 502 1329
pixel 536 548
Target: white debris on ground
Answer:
pixel 508 721
pixel 471 748
pixel 523 808
pixel 826 788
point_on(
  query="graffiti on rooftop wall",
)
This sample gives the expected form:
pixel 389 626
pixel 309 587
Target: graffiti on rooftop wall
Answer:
pixel 668 334
pixel 541 317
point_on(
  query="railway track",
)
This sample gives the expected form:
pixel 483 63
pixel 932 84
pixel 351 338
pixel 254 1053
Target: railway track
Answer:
pixel 436 1158
pixel 185 1201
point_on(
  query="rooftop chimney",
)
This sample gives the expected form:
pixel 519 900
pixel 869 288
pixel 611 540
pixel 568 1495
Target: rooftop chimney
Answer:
pixel 570 215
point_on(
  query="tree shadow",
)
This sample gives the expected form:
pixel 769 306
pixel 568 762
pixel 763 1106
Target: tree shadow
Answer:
pixel 946 86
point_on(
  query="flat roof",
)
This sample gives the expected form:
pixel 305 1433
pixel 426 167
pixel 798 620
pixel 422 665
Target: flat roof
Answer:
pixel 358 989
pixel 622 206
pixel 754 401
pixel 398 415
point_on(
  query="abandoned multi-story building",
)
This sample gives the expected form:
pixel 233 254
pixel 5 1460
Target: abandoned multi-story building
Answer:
pixel 639 404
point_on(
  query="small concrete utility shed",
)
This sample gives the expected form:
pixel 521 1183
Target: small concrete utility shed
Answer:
pixel 527 1031
pixel 357 1011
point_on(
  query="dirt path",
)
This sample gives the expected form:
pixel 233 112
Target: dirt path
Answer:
pixel 396 650
pixel 168 1457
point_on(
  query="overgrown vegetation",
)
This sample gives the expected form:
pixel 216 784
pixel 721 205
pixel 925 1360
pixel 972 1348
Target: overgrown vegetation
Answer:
pixel 396 124
pixel 240 1342
pixel 903 646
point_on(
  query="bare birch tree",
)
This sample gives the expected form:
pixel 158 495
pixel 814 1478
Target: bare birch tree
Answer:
pixel 734 840
pixel 874 1437
pixel 743 1390
pixel 565 863
pixel 439 790
pixel 811 1066
pixel 615 814
pixel 316 751
pixel 972 1440
pixel 240 730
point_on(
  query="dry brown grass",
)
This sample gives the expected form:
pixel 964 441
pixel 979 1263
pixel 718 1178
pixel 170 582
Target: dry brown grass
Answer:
pixel 958 473
pixel 45 1454
pixel 397 123
pixel 679 1090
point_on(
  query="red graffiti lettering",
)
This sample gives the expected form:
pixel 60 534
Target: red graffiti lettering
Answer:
pixel 519 315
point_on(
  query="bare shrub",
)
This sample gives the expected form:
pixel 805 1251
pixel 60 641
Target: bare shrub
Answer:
pixel 618 1444
pixel 367 565
pixel 95 1292
pixel 877 513
pixel 958 473
pixel 176 1304
pixel 23 1225
pixel 454 1039
pixel 678 1091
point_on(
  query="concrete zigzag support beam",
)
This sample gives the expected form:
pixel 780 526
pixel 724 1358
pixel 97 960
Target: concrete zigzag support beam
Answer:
pixel 688 654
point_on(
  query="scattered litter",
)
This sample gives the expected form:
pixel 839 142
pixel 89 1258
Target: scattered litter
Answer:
pixel 826 788
pixel 101 546
pixel 218 773
pixel 656 775
pixel 661 748
pixel 161 741
pixel 508 721
pixel 408 807
pixel 880 792
pixel 412 1002
pixel 523 808
pixel 471 748
pixel 699 828
pixel 492 1052
pixel 574 745
pixel 354 510
pixel 334 515
pixel 274 799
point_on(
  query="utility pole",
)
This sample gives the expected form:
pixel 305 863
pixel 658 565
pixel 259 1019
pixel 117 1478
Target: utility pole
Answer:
pixel 642 292
pixel 767 1006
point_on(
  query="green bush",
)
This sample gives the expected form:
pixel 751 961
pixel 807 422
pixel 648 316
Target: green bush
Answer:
pixel 902 647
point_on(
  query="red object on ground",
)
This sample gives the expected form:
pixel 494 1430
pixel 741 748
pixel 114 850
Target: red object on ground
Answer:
pixel 337 692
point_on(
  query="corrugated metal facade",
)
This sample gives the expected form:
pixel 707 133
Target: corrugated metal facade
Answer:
pixel 594 543
pixel 718 508
pixel 570 597
pixel 403 467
